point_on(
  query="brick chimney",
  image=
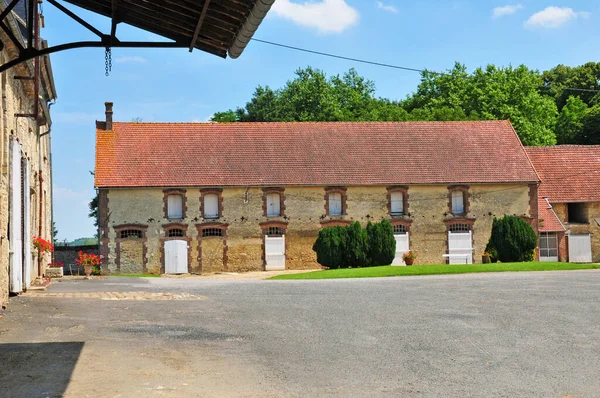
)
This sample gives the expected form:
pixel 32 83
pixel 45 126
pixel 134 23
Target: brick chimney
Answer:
pixel 109 114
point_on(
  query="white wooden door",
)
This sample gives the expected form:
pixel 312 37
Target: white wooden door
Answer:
pixel 580 248
pixel 27 226
pixel 176 257
pixel 402 246
pixel 275 252
pixel 460 247
pixel 16 243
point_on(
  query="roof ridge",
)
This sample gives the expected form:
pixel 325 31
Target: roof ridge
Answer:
pixel 325 122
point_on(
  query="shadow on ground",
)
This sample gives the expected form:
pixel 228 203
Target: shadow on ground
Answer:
pixel 37 369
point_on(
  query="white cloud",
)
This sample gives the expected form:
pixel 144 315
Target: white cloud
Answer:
pixel 554 17
pixel 387 8
pixel 327 16
pixel 127 59
pixel 506 10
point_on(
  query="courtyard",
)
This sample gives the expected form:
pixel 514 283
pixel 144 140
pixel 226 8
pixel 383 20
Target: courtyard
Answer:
pixel 494 335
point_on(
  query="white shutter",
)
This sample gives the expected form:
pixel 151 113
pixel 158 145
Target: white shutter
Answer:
pixel 273 204
pixel 397 203
pixel 211 206
pixel 175 206
pixel 335 204
pixel 458 205
pixel 16 243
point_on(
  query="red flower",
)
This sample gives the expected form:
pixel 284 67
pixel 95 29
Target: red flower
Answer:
pixel 88 259
pixel 42 245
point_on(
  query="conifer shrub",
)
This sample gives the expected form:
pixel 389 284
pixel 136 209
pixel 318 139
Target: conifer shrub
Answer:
pixel 513 239
pixel 381 243
pixel 356 249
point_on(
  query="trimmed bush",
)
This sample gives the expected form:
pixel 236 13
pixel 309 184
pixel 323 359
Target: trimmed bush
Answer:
pixel 356 246
pixel 513 239
pixel 330 247
pixel 381 243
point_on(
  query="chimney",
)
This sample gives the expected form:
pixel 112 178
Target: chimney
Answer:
pixel 109 112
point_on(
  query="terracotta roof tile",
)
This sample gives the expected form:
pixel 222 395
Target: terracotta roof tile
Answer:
pixel 259 154
pixel 549 220
pixel 569 173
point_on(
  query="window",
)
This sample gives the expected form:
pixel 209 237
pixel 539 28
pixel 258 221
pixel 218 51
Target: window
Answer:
pixel 459 227
pixel 335 204
pixel 273 205
pixel 274 231
pixel 208 232
pixel 211 205
pixel 397 203
pixel 400 230
pixel 175 232
pixel 576 213
pixel 458 202
pixel 548 244
pixel 175 206
pixel 130 233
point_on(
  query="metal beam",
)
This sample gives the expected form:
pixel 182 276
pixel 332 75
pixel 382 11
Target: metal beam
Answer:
pixel 12 37
pixel 76 17
pixel 8 9
pixel 199 25
pixel 113 23
pixel 27 55
pixel 30 21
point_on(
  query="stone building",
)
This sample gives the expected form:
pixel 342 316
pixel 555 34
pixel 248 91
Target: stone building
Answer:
pixel 207 197
pixel 570 194
pixel 25 164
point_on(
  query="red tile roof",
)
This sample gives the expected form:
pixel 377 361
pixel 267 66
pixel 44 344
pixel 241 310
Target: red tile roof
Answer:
pixel 277 154
pixel 569 173
pixel 549 221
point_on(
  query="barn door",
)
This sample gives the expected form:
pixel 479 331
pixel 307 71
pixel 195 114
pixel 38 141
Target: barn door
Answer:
pixel 402 246
pixel 176 257
pixel 16 231
pixel 580 248
pixel 460 247
pixel 275 252
pixel 26 224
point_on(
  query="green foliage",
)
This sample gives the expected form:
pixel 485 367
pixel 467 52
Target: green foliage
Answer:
pixel 591 127
pixel 93 206
pixel 569 126
pixel 356 246
pixel 513 238
pixel 224 117
pixel 330 246
pixel 492 250
pixel 559 81
pixel 381 243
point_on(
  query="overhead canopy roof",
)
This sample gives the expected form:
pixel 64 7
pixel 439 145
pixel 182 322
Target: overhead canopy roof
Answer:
pixel 217 26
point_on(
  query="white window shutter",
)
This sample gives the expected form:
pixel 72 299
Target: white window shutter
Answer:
pixel 211 206
pixel 273 204
pixel 458 202
pixel 175 206
pixel 397 202
pixel 335 204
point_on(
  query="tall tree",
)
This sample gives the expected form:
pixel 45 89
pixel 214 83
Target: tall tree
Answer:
pixel 560 81
pixel 569 126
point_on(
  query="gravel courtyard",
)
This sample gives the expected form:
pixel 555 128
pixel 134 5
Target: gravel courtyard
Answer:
pixel 483 335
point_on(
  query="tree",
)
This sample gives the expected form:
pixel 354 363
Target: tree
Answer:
pixel 356 246
pixel 559 82
pixel 224 117
pixel 54 232
pixel 569 126
pixel 591 127
pixel 513 238
pixel 381 243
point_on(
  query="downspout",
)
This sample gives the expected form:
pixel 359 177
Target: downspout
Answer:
pixel 255 17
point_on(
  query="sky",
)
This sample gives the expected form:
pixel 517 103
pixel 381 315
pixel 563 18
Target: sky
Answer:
pixel 178 86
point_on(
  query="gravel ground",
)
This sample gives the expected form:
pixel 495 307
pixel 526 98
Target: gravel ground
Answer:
pixel 478 335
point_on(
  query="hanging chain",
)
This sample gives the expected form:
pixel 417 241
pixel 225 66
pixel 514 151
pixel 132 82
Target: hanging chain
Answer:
pixel 107 61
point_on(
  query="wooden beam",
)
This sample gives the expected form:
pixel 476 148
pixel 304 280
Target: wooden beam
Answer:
pixel 199 25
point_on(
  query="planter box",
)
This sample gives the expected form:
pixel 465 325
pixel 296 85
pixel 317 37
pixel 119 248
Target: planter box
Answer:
pixel 54 272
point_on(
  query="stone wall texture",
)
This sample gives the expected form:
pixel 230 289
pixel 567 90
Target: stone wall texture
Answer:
pixel 18 98
pixel 592 227
pixel 304 214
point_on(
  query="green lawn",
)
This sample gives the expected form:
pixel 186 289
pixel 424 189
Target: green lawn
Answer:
pixel 374 272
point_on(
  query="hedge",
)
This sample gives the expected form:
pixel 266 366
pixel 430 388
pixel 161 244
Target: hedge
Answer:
pixel 513 239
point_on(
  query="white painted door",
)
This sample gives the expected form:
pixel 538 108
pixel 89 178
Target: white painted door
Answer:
pixel 548 246
pixel 27 226
pixel 16 243
pixel 402 246
pixel 460 247
pixel 176 257
pixel 580 248
pixel 275 252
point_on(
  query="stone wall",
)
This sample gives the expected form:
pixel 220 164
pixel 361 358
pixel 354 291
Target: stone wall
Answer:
pixel 305 213
pixel 592 227
pixel 68 255
pixel 18 98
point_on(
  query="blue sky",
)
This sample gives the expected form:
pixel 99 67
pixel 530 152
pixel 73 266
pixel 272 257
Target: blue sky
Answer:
pixel 174 85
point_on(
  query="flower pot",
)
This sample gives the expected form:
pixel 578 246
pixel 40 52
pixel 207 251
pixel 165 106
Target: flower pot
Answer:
pixel 88 271
pixel 485 259
pixel 409 261
pixel 54 272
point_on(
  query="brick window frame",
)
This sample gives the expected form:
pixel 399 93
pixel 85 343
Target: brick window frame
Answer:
pixel 212 225
pixel 214 191
pixel 342 192
pixel 403 222
pixel 281 192
pixel 174 191
pixel 403 189
pixel 264 226
pixel 460 220
pixel 335 223
pixel 466 198
pixel 144 239
pixel 163 239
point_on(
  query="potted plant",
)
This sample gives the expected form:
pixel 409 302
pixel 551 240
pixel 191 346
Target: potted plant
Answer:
pixel 42 245
pixel 55 270
pixel 88 261
pixel 486 256
pixel 409 257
